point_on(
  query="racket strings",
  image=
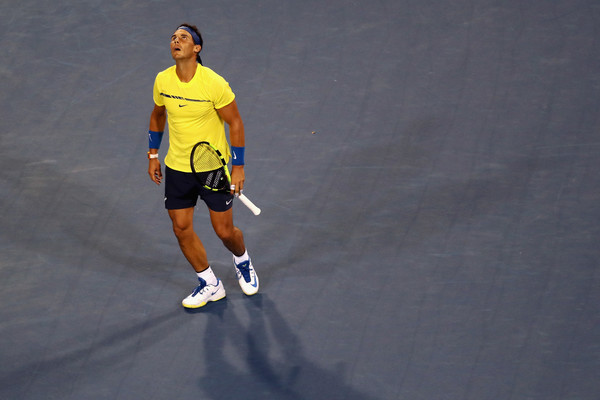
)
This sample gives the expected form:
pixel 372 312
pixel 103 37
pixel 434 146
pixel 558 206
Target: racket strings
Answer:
pixel 208 167
pixel 205 159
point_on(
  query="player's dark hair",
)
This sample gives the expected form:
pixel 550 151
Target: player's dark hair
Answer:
pixel 195 29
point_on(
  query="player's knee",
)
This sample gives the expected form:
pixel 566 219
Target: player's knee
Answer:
pixel 226 234
pixel 182 231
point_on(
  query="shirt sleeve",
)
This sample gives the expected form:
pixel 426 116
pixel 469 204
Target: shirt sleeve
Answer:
pixel 222 94
pixel 158 99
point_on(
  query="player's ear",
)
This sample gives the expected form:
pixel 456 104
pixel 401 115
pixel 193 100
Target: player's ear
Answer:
pixel 197 48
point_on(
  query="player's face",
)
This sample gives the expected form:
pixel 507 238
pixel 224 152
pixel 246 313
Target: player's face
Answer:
pixel 182 45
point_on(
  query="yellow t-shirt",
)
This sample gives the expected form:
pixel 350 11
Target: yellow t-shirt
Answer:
pixel 192 113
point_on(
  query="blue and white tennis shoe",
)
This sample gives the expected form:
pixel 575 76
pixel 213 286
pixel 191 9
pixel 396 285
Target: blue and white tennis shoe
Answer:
pixel 204 293
pixel 246 277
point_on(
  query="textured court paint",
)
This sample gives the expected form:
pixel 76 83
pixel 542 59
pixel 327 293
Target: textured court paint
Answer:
pixel 436 239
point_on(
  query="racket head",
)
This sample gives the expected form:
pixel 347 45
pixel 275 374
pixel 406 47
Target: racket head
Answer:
pixel 209 167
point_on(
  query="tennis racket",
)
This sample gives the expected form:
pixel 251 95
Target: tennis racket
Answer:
pixel 210 168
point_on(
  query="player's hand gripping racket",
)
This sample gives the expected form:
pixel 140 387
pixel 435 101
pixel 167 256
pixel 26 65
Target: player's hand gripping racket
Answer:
pixel 210 168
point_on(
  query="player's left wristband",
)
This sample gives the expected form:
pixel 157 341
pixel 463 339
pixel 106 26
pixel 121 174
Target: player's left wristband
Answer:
pixel 237 155
pixel 154 139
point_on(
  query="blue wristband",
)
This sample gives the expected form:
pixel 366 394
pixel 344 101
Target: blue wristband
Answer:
pixel 237 155
pixel 154 139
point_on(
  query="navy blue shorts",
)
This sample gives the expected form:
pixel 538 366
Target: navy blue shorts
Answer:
pixel 182 191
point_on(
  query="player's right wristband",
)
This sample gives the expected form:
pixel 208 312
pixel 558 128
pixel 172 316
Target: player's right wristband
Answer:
pixel 237 155
pixel 154 139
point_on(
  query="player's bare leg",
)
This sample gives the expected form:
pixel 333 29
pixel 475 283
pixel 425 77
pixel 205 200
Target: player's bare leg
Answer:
pixel 233 239
pixel 210 288
pixel 189 242
pixel 231 236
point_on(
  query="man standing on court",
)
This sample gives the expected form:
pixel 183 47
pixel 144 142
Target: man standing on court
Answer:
pixel 196 102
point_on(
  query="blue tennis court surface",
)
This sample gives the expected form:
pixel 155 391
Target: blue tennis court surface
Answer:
pixel 428 175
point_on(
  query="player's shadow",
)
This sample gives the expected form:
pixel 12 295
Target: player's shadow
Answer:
pixel 274 363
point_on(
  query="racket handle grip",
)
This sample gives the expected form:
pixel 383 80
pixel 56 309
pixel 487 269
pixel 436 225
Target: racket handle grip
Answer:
pixel 255 210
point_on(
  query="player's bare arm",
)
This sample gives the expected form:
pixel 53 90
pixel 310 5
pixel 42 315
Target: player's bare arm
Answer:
pixel 157 124
pixel 231 115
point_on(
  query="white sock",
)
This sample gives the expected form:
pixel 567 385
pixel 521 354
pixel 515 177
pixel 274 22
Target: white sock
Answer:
pixel 208 275
pixel 242 258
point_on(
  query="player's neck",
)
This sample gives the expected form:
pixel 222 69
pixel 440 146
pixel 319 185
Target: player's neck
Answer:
pixel 186 69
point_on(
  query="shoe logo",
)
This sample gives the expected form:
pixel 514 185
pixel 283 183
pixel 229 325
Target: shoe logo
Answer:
pixel 254 284
pixel 216 287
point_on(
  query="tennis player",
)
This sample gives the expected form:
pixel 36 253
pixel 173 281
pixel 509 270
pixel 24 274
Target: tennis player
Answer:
pixel 196 103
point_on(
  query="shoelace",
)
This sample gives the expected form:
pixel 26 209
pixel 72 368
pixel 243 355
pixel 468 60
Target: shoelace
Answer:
pixel 244 269
pixel 201 286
